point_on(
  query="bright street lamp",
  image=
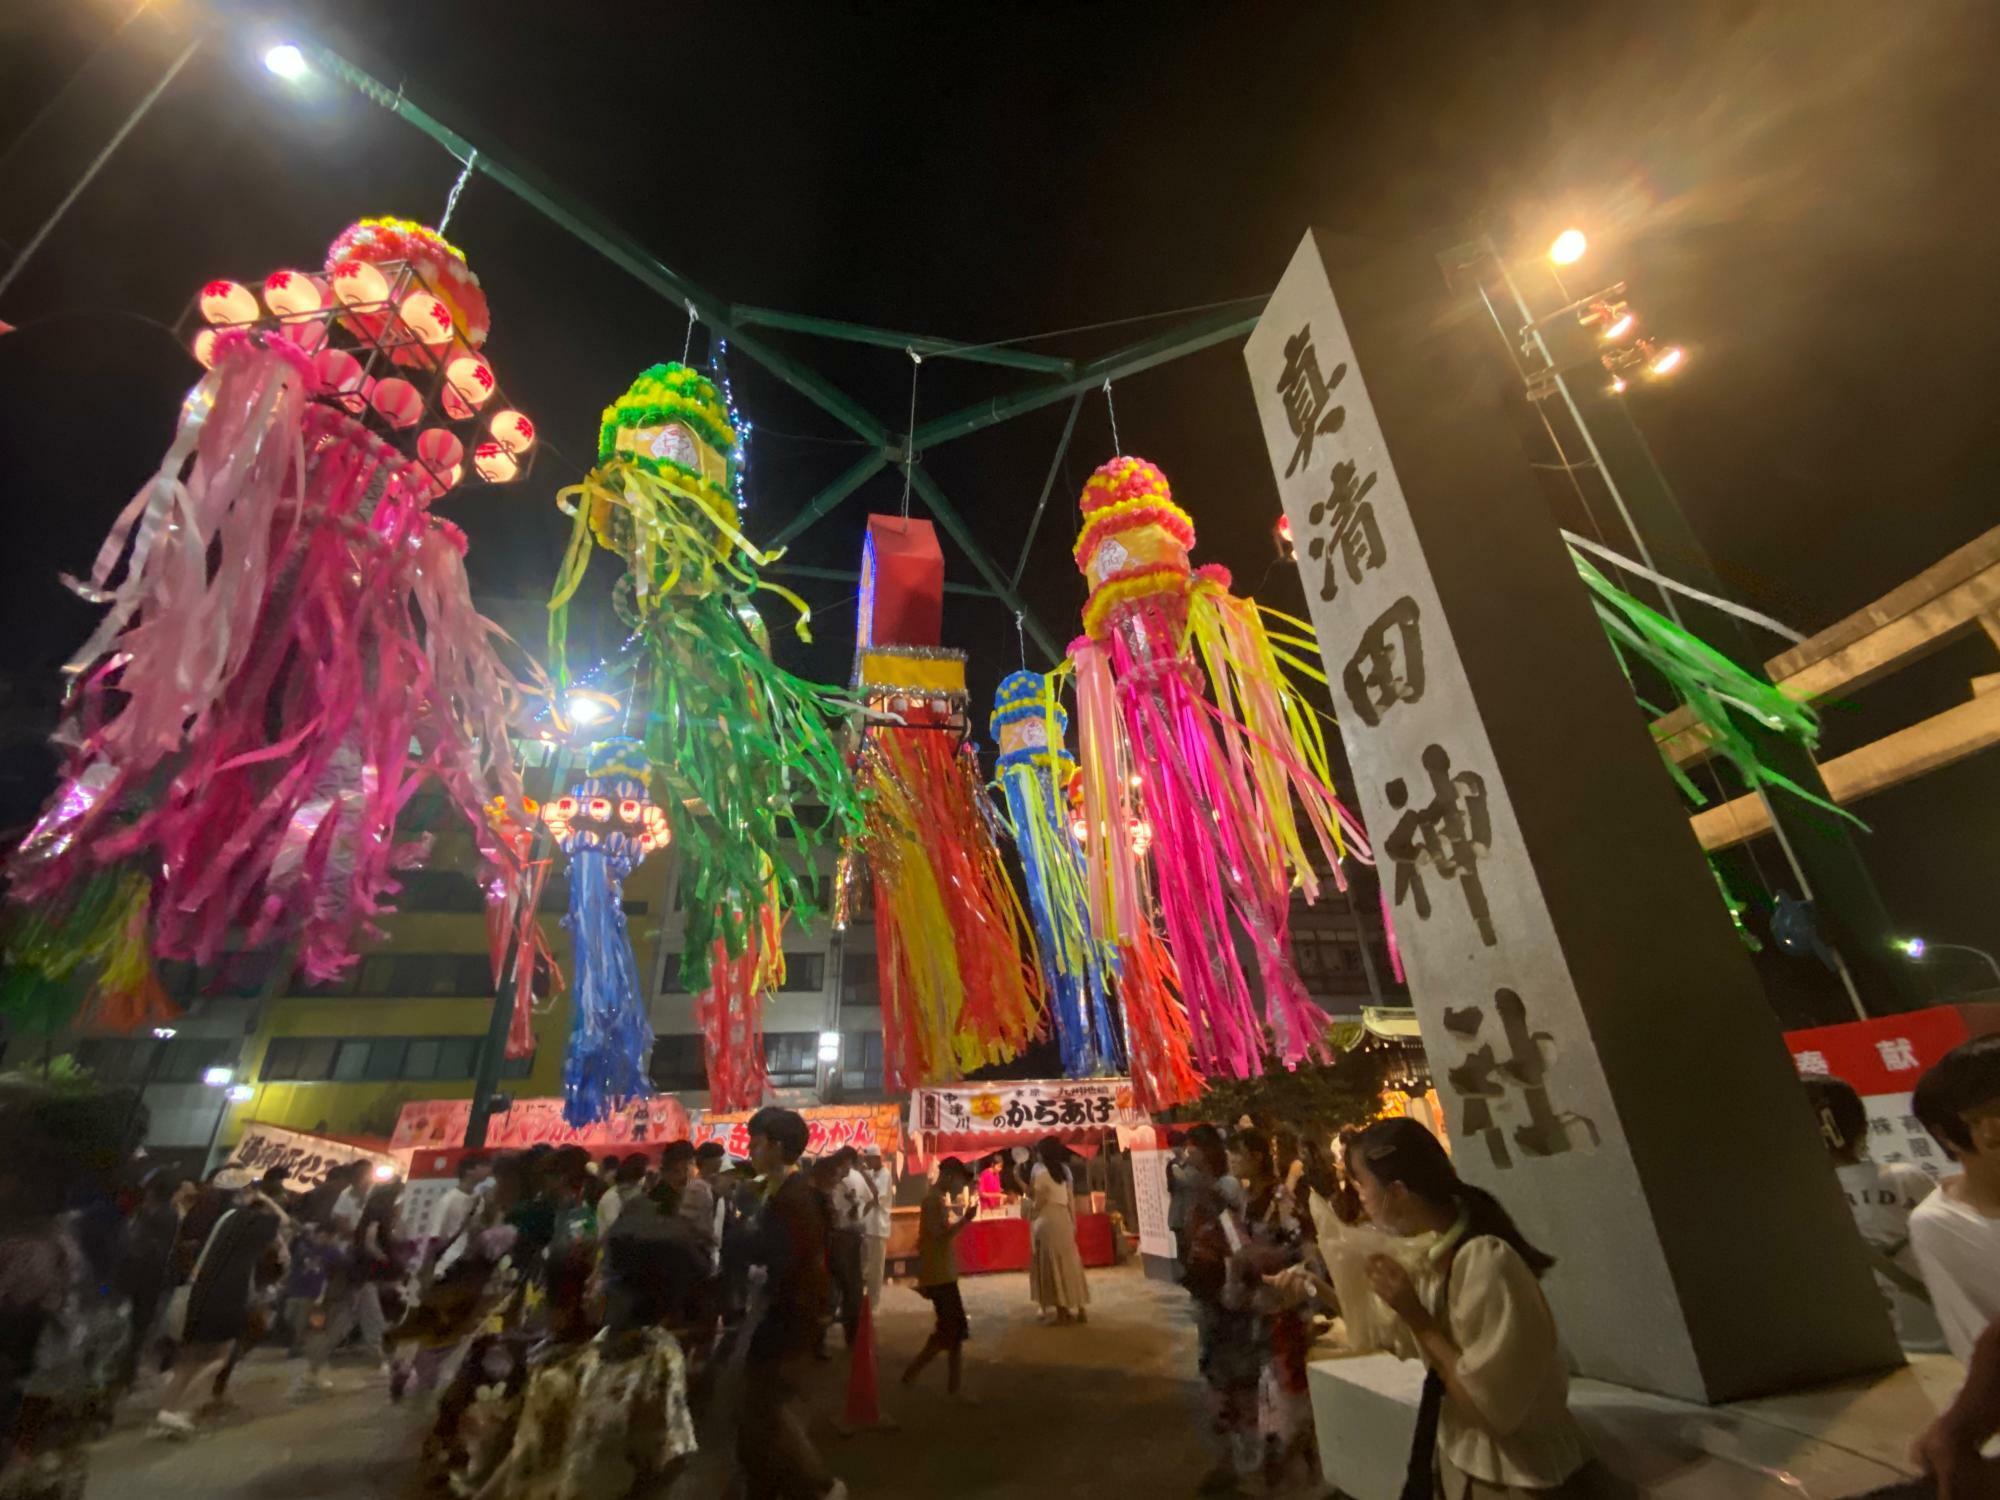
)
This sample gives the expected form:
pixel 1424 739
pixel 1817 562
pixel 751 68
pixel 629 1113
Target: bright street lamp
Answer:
pixel 219 1078
pixel 1568 247
pixel 1918 949
pixel 588 706
pixel 164 1033
pixel 287 62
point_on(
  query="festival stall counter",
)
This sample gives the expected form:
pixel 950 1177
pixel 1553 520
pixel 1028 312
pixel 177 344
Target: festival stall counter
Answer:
pixel 307 1156
pixel 972 1120
pixel 829 1127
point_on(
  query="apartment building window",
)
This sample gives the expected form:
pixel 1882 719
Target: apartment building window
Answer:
pixel 861 1060
pixel 128 1059
pixel 804 973
pixel 791 1058
pixel 413 975
pixel 678 1064
pixel 443 1059
pixel 1324 958
pixel 439 890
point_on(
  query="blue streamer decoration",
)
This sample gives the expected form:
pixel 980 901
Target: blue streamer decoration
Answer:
pixel 602 826
pixel 1076 965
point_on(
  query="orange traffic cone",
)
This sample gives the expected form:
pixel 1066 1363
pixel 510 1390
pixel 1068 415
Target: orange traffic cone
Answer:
pixel 864 1406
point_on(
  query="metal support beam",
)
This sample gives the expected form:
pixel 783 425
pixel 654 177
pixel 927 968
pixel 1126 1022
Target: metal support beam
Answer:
pixel 954 525
pixel 930 348
pixel 849 575
pixel 612 243
pixel 863 470
pixel 1035 521
pixel 1212 328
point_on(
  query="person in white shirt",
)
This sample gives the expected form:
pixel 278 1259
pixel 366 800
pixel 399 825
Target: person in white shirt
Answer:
pixel 876 1194
pixel 845 1198
pixel 1956 1231
pixel 1881 1196
pixel 1497 1385
pixel 627 1187
pixel 458 1202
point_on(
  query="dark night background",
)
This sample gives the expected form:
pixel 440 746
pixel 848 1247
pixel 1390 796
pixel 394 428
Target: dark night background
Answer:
pixel 1791 190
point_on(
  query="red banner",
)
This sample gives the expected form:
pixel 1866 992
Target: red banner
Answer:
pixel 432 1123
pixel 829 1127
pixel 1885 1055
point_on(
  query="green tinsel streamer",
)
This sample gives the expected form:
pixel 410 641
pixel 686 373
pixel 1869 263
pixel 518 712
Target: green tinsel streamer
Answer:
pixel 1713 687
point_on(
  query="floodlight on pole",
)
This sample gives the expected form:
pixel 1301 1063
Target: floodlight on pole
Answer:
pixel 219 1078
pixel 1667 361
pixel 1918 949
pixel 1568 247
pixel 287 61
pixel 586 706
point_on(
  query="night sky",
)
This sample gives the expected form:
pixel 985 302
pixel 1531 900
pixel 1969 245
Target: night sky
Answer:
pixel 1791 191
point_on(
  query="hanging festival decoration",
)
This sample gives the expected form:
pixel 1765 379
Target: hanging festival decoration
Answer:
pixel 605 825
pixel 754 779
pixel 1033 773
pixel 1217 776
pixel 513 923
pixel 1156 1025
pixel 954 959
pixel 289 649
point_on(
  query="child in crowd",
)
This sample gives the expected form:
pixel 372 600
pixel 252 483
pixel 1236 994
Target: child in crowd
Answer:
pixel 937 1272
pixel 1956 1231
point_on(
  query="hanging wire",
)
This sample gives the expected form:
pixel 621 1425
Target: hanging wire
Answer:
pixel 451 198
pixel 1021 638
pixel 687 344
pixel 1111 410
pixel 910 432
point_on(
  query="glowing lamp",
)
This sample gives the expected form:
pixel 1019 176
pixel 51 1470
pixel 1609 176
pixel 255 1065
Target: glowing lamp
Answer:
pixel 218 1078
pixel 224 302
pixel 397 402
pixel 1914 947
pixel 426 317
pixel 1667 361
pixel 357 283
pixel 1617 385
pixel 1568 247
pixel 292 294
pixel 204 348
pixel 588 706
pixel 286 61
pixel 516 432
pixel 241 1093
pixel 1620 326
pixel 384 1172
pixel 455 406
pixel 339 375
pixel 470 377
pixel 494 463
pixel 439 449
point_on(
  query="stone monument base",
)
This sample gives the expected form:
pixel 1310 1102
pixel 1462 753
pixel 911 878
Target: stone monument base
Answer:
pixel 1826 1443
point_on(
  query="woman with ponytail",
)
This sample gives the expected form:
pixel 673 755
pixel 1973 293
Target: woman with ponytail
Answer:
pixel 1495 1418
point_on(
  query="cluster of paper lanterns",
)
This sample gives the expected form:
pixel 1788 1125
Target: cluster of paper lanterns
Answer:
pixel 441 322
pixel 591 819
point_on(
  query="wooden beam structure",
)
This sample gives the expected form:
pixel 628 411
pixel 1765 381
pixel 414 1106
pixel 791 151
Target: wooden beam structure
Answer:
pixel 1952 598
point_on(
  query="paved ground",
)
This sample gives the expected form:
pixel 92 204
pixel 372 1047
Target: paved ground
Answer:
pixel 1108 1408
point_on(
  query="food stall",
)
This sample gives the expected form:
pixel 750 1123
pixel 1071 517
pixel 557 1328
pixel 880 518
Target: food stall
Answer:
pixel 828 1128
pixel 974 1120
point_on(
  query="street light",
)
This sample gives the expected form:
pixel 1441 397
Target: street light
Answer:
pixel 829 1046
pixel 287 62
pixel 1917 949
pixel 221 1079
pixel 218 1078
pixel 589 706
pixel 1569 247
pixel 1667 361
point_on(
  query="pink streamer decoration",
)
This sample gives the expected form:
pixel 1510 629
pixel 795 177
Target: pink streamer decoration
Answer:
pixel 291 654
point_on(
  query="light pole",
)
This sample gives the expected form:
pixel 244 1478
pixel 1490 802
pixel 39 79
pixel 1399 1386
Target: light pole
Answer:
pixel 1917 949
pixel 223 1081
pixel 161 1036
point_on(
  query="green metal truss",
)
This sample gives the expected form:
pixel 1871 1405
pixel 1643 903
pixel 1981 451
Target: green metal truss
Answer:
pixel 1059 379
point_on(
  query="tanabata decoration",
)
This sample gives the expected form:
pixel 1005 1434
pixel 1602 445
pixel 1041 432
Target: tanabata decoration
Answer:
pixel 1156 1024
pixel 959 984
pixel 1033 774
pixel 289 650
pixel 606 825
pixel 1216 776
pixel 747 755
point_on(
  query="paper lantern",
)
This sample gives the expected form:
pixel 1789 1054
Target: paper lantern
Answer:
pixel 356 282
pixel 516 432
pixel 291 294
pixel 309 335
pixel 494 463
pixel 455 406
pixel 439 450
pixel 397 401
pixel 227 302
pixel 471 377
pixel 204 348
pixel 339 374
pixel 426 317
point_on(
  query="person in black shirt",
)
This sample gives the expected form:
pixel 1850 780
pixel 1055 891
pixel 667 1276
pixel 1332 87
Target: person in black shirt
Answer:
pixel 790 1242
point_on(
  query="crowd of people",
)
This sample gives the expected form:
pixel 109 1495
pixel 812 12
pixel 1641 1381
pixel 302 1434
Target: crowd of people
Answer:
pixel 580 1327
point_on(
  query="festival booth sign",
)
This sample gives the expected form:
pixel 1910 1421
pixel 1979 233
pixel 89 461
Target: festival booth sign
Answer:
pixel 439 1124
pixel 306 1156
pixel 1882 1059
pixel 829 1127
pixel 971 1120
